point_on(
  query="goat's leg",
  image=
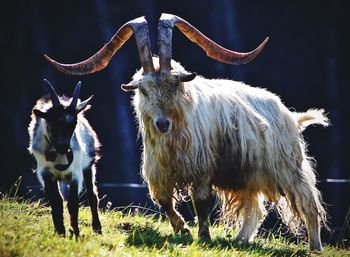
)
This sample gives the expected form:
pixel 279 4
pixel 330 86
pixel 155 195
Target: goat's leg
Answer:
pixel 201 202
pixel 91 191
pixel 176 220
pixel 167 202
pixel 314 230
pixel 252 213
pixel 305 202
pixel 56 202
pixel 73 206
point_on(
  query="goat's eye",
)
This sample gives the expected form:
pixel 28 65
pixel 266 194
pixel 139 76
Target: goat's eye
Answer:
pixel 143 91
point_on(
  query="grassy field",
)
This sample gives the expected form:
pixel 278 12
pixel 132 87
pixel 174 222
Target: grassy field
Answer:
pixel 26 229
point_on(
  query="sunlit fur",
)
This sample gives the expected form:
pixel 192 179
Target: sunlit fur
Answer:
pixel 84 144
pixel 240 141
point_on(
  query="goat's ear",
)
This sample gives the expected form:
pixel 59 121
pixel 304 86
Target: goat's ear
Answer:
pixel 82 105
pixel 130 86
pixel 187 76
pixel 40 114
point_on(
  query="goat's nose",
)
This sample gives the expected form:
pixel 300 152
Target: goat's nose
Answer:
pixel 163 125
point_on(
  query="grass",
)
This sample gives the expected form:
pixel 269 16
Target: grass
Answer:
pixel 26 229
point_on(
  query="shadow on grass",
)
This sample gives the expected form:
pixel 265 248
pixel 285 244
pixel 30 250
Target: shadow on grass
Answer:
pixel 141 236
pixel 262 247
pixel 150 237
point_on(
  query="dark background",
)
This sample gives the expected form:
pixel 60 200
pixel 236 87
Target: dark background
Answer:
pixel 305 62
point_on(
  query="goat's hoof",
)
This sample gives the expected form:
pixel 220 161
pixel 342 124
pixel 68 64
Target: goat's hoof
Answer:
pixel 97 228
pixel 204 237
pixel 316 250
pixel 315 246
pixel 74 233
pixel 61 232
pixel 241 241
pixel 97 231
pixel 185 231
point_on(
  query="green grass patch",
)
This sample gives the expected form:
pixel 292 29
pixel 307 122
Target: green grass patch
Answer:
pixel 26 229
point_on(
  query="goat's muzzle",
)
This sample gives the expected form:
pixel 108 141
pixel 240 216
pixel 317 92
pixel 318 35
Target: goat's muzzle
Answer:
pixel 163 125
pixel 69 156
pixel 63 147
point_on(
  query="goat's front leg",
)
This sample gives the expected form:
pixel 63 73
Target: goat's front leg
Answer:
pixel 73 206
pixel 167 202
pixel 201 202
pixel 56 202
pixel 89 180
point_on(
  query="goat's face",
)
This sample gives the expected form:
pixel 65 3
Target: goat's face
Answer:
pixel 157 101
pixel 61 119
pixel 160 98
pixel 61 122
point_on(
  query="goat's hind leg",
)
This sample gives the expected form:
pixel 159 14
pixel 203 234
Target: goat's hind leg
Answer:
pixel 56 202
pixel 305 202
pixel 252 212
pixel 89 180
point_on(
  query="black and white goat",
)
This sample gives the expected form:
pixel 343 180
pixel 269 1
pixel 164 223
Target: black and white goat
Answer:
pixel 65 148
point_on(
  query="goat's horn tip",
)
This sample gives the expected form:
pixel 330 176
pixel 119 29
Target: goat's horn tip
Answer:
pixel 48 59
pixel 47 82
pixel 265 41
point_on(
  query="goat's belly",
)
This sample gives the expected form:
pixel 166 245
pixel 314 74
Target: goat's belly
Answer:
pixel 73 171
pixel 65 175
pixel 230 174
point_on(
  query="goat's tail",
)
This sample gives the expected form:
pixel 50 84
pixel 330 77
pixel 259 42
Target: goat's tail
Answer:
pixel 311 116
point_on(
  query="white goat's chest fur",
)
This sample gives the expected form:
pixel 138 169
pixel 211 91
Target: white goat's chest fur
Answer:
pixel 81 161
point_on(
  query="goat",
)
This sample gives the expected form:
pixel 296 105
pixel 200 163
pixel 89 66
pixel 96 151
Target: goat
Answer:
pixel 65 148
pixel 213 135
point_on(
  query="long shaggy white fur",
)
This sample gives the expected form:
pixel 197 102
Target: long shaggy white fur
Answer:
pixel 240 140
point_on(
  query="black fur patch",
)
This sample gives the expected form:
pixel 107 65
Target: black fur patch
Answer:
pixel 230 173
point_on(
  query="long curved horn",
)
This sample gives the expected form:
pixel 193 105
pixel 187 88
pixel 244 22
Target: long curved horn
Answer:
pixel 53 95
pixel 101 59
pixel 212 49
pixel 73 103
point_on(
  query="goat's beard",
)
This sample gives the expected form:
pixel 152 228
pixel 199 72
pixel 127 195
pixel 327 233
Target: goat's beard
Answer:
pixel 170 149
